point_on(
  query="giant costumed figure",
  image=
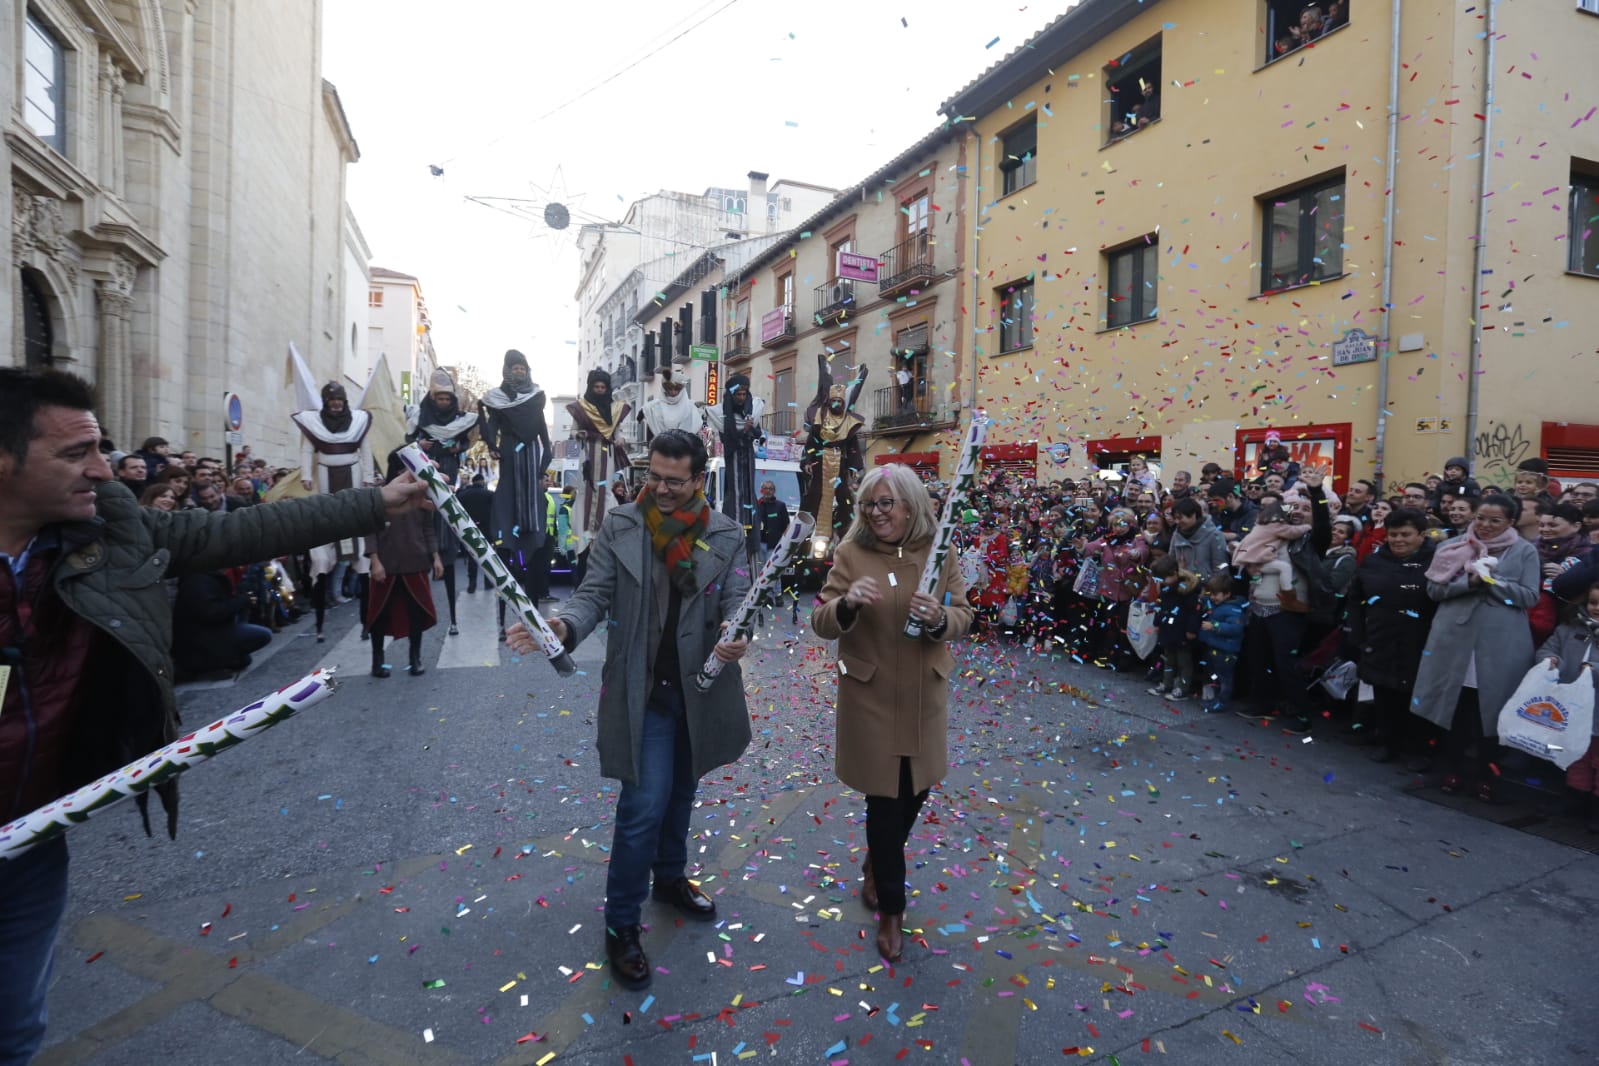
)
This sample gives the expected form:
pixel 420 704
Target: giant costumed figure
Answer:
pixel 598 426
pixel 443 431
pixel 832 461
pixel 515 432
pixel 334 454
pixel 738 423
pixel 672 409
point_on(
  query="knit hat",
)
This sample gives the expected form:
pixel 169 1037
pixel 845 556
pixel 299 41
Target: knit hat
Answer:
pixel 1533 466
pixel 1351 520
pixel 1460 461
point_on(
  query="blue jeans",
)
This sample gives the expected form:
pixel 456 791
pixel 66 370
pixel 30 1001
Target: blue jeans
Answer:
pixel 652 813
pixel 33 896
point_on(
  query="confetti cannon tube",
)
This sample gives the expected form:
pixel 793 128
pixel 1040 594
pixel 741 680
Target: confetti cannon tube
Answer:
pixel 788 551
pixel 163 764
pixel 944 535
pixel 495 572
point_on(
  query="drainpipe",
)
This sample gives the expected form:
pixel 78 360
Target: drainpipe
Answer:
pixel 1385 333
pixel 1479 257
pixel 974 174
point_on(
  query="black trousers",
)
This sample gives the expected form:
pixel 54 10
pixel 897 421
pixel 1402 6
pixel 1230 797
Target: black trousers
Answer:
pixel 889 821
pixel 418 619
pixel 1467 751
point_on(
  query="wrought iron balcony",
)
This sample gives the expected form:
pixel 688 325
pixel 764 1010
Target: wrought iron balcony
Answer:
pixel 834 301
pixel 892 415
pixel 778 327
pixel 779 423
pixel 907 265
pixel 736 344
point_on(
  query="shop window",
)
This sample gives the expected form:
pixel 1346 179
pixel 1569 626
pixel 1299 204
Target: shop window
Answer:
pixel 1582 220
pixel 1133 89
pixel 1303 239
pixel 1292 24
pixel 1131 288
pixel 1018 155
pixel 1016 316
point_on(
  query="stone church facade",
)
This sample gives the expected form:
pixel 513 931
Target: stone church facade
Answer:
pixel 176 210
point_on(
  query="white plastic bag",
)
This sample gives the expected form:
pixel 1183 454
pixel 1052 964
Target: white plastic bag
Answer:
pixel 1143 621
pixel 1340 678
pixel 1548 719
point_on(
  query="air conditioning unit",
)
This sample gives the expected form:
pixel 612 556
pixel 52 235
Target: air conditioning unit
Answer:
pixel 840 294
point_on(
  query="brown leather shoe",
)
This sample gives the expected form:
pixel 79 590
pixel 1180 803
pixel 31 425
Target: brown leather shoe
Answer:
pixel 629 965
pixel 868 885
pixel 686 896
pixel 890 936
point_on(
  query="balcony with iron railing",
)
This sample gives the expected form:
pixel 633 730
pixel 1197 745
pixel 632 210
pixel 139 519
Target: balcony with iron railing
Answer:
pixel 779 423
pixel 892 415
pixel 736 344
pixel 634 437
pixel 907 265
pixel 834 301
pixel 778 327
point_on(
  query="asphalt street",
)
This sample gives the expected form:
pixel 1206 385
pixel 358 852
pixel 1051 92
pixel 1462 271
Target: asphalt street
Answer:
pixel 412 872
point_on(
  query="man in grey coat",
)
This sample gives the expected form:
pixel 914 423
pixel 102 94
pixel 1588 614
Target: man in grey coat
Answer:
pixel 665 565
pixel 1198 545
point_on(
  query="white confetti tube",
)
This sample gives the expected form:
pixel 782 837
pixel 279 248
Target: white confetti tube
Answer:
pixel 163 764
pixel 787 552
pixel 495 572
pixel 944 536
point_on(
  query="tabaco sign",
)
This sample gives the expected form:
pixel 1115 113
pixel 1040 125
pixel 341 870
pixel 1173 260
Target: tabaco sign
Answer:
pixel 713 383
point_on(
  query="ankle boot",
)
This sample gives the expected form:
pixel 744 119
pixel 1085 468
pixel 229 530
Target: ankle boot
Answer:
pixel 379 667
pixel 890 936
pixel 868 885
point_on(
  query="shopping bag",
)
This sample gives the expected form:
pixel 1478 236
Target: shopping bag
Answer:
pixel 1548 719
pixel 1143 621
pixel 1087 583
pixel 1009 611
pixel 1340 678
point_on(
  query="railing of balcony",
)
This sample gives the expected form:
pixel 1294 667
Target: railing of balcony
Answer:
pixel 736 343
pixel 834 300
pixel 778 423
pixel 890 411
pixel 777 326
pixel 908 262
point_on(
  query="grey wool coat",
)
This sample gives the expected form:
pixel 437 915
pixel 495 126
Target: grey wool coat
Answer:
pixel 625 587
pixel 1488 620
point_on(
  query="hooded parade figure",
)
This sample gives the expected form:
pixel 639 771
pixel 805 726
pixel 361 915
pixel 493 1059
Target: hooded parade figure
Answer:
pixel 672 410
pixel 444 430
pixel 335 454
pixel 597 423
pixel 514 429
pixel 738 423
pixel 832 460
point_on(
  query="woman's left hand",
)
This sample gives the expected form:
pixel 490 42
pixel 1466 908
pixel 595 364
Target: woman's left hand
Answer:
pixel 925 609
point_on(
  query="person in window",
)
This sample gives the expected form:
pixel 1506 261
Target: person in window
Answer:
pixel 1311 25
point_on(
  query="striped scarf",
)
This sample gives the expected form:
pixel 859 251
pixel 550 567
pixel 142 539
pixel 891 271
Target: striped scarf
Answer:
pixel 673 536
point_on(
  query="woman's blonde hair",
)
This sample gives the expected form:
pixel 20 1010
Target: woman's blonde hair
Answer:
pixel 906 488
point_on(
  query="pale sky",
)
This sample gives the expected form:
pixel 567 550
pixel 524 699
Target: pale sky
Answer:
pixel 821 91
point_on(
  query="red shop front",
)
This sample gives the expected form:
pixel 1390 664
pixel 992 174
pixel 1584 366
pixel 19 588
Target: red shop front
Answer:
pixel 1018 459
pixel 1116 451
pixel 924 463
pixel 1325 446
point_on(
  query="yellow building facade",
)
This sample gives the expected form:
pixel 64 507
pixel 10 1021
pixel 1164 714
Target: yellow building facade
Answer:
pixel 1183 238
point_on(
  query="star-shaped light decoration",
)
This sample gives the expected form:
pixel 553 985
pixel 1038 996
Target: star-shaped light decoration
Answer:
pixel 551 209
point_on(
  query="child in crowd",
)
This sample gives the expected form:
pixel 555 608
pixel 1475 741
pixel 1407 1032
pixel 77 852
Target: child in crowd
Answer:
pixel 1178 627
pixel 1222 634
pixel 1575 643
pixel 1263 553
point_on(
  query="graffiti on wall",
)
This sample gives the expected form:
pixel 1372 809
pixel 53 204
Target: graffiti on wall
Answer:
pixel 1497 450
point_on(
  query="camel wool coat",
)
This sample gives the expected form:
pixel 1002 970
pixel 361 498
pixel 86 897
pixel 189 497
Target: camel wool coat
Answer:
pixel 893 692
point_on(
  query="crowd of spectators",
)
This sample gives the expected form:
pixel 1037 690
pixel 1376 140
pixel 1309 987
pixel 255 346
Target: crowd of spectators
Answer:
pixel 219 619
pixel 1406 618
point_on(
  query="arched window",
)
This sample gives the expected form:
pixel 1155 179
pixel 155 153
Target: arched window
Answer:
pixel 38 334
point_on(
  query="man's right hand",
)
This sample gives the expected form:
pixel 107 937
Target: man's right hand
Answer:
pixel 558 627
pixel 305 483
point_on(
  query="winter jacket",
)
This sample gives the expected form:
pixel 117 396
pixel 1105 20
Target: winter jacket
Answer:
pixel 1204 552
pixel 625 587
pixel 1178 623
pixel 1388 614
pixel 1340 565
pixel 1227 626
pixel 893 693
pixel 202 622
pixel 109 573
pixel 1238 522
pixel 1488 621
pixel 407 544
pixel 1121 564
pixel 1306 557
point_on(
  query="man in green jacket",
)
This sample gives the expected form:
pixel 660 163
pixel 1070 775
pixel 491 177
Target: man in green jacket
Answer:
pixel 86 637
